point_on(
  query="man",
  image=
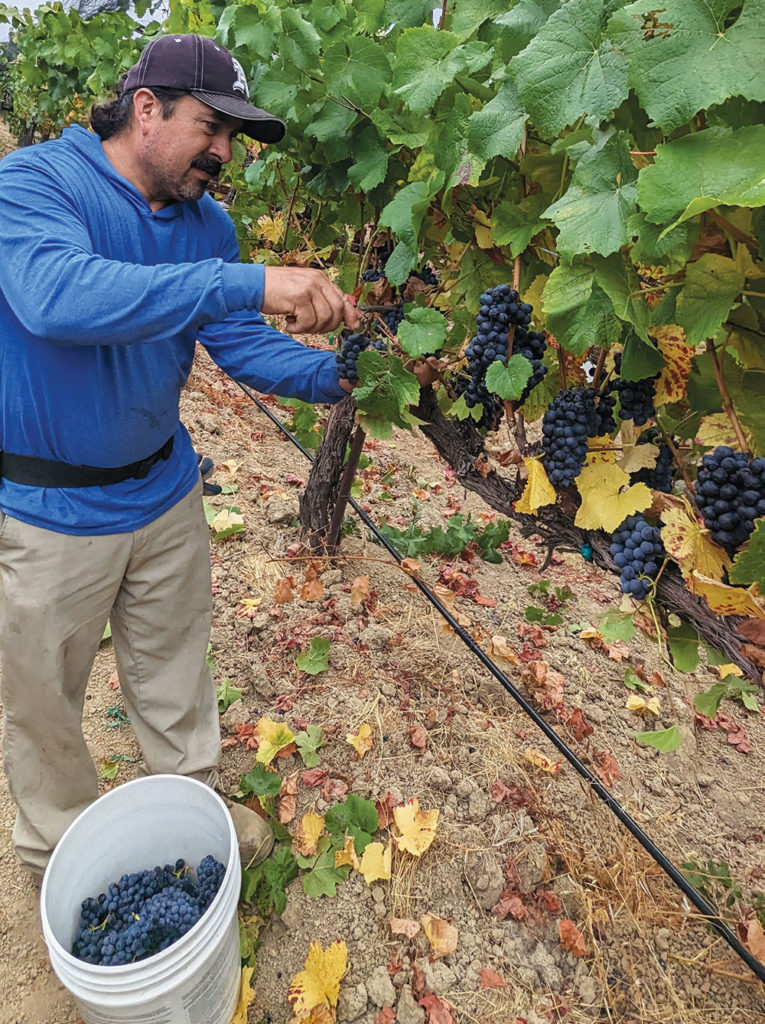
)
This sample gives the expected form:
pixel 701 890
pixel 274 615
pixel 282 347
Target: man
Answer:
pixel 113 262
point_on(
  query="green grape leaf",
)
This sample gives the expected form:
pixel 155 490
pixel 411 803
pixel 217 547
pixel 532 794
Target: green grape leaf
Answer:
pixel 509 381
pixel 401 263
pixel 333 120
pixel 299 42
pixel 226 694
pixel 404 213
pixel 497 129
pixel 577 311
pixel 261 782
pixel 408 13
pixel 709 701
pixel 309 741
pixel 663 740
pixel 423 331
pixel 663 45
pixel 356 68
pixel 371 157
pixel 619 280
pixel 617 626
pixel 250 30
pixel 385 392
pixel 515 224
pixel 749 564
pixel 593 214
pixel 354 817
pixel 683 643
pixel 469 15
pixel 570 68
pixel 712 284
pixel 696 172
pixel 640 358
pixel 525 20
pixel 324 878
pixel 427 62
pixel 315 659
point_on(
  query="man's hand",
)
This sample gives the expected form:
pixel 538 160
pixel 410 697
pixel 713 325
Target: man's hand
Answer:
pixel 425 370
pixel 309 300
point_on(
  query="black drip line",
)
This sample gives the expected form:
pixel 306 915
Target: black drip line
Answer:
pixel 701 904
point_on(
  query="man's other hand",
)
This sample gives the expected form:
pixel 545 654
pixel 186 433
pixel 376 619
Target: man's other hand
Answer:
pixel 309 300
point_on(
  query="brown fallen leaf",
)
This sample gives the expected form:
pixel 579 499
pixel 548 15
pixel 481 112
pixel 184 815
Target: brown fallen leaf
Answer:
pixel 410 566
pixel 385 809
pixel 387 1015
pixel 437 1009
pixel 312 588
pixel 490 979
pixel 284 592
pixel 288 798
pixel 309 830
pixel 113 682
pixel 608 767
pixel 313 777
pixel 359 591
pixel 500 648
pixel 571 938
pixel 442 936
pixel 752 629
pixel 755 939
pixel 418 737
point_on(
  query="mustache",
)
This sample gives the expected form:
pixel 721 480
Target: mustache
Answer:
pixel 208 165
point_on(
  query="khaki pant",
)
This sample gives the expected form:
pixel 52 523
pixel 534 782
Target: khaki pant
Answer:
pixel 56 594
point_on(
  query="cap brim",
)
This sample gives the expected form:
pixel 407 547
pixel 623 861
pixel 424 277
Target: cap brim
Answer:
pixel 258 124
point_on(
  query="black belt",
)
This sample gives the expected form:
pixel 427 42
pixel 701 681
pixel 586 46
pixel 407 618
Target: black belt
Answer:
pixel 26 469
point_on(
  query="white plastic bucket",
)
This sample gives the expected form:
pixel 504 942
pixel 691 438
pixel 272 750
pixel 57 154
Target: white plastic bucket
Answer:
pixel 149 821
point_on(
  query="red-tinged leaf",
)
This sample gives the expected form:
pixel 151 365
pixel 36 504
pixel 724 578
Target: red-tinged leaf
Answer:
pixel 517 796
pixel 288 798
pixel 551 902
pixel 487 602
pixel 299 722
pixel 739 739
pixel 490 979
pixel 752 629
pixel 229 743
pixel 285 701
pixel 314 777
pixel 608 767
pixel 297 480
pixel 510 905
pixel 418 737
pixel 499 791
pixel 449 475
pixel 418 982
pixel 287 751
pixel 755 654
pixel 616 651
pixel 532 634
pixel 334 789
pixel 387 1015
pixel 404 926
pixel 385 810
pixel 113 682
pixel 545 684
pixel 576 721
pixel 437 1009
pixel 571 938
pixel 703 722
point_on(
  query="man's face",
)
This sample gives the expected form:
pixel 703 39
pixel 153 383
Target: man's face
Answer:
pixel 183 152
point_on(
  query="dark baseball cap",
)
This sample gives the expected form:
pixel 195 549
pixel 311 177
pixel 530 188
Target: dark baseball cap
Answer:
pixel 207 71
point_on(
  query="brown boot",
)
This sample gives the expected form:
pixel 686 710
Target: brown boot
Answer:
pixel 255 837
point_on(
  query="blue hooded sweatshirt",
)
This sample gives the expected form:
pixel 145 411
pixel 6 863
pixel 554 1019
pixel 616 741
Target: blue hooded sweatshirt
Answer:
pixel 101 303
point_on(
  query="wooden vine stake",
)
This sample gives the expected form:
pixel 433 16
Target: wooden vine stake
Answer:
pixel 346 481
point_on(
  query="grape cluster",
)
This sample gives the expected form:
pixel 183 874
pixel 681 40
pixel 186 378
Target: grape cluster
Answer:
pixel 637 550
pixel 660 477
pixel 393 318
pixel 427 275
pixel 570 419
pixel 372 274
pixel 730 488
pixel 500 310
pixel 145 912
pixel 351 349
pixel 635 396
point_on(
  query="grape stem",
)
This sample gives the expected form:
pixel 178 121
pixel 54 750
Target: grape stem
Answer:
pixel 599 369
pixel 679 463
pixel 725 396
pixel 562 368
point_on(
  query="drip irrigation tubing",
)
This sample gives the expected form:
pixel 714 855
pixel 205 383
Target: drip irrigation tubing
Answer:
pixel 695 897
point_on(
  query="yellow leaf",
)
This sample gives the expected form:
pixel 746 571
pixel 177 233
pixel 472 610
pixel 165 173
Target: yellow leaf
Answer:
pixel 689 543
pixel 728 670
pixel 482 228
pixel 376 862
pixel 347 855
pixel 246 996
pixel 310 828
pixel 605 501
pixel 641 706
pixel 600 449
pixel 272 737
pixel 231 466
pixel 538 490
pixel 417 828
pixel 500 648
pixel 727 600
pixel 319 984
pixel 638 456
pixel 272 228
pixel 225 519
pixel 538 759
pixel 441 935
pixel 361 741
pixel 670 387
pixel 716 429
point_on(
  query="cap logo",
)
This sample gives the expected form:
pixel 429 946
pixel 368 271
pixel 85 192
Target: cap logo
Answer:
pixel 240 84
